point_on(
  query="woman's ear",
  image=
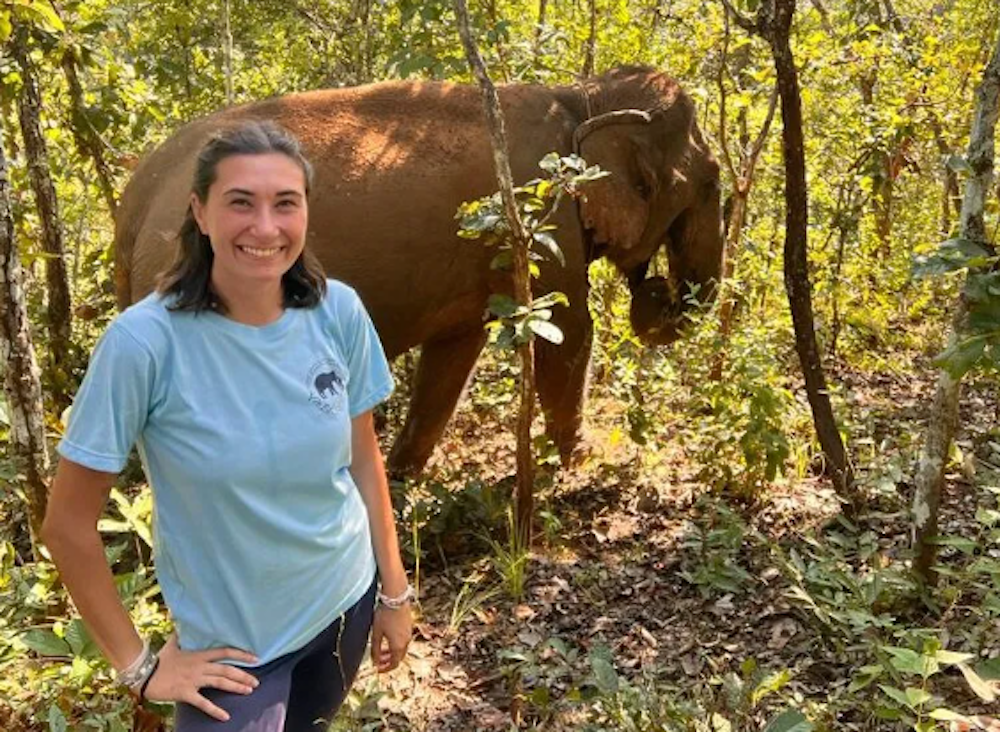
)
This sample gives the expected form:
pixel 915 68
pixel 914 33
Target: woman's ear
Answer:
pixel 198 211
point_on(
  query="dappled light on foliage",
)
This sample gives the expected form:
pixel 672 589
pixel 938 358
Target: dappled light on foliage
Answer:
pixel 692 568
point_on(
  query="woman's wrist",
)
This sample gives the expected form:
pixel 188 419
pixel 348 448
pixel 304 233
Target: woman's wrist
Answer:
pixel 397 600
pixel 136 675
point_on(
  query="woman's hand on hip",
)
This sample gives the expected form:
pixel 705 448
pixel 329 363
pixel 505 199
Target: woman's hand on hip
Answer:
pixel 391 632
pixel 181 675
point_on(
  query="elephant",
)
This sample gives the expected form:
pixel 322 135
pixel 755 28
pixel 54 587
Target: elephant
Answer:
pixel 394 160
pixel 328 381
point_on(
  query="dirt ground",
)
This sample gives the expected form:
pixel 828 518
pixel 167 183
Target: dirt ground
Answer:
pixel 612 576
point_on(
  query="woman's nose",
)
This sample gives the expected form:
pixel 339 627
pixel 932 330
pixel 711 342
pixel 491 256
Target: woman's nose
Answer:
pixel 264 224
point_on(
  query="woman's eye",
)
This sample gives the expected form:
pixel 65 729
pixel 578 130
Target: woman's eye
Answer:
pixel 239 203
pixel 288 203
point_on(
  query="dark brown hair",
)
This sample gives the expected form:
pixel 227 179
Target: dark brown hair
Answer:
pixel 189 277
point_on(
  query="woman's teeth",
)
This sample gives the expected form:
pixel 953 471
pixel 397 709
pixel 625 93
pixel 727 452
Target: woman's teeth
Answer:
pixel 260 253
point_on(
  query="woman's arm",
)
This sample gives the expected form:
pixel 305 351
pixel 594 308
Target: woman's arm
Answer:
pixel 393 626
pixel 76 502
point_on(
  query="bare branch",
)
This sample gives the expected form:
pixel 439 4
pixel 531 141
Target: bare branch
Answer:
pixel 741 20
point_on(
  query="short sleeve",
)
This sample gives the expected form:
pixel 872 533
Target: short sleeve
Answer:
pixel 111 407
pixel 370 381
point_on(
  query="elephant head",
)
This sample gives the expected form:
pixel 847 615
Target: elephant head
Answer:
pixel 663 191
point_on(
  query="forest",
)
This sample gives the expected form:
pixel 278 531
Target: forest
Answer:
pixel 784 516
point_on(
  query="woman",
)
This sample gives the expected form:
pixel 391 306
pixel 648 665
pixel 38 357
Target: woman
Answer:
pixel 247 382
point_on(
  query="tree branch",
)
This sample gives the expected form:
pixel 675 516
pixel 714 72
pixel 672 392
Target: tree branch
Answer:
pixel 741 20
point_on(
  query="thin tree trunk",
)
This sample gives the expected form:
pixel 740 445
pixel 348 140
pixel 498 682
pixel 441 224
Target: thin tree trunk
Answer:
pixel 591 47
pixel 742 182
pixel 227 51
pixel 943 418
pixel 58 300
pixel 796 251
pixel 22 385
pixel 950 195
pixel 774 21
pixel 524 498
pixel 88 142
pixel 536 51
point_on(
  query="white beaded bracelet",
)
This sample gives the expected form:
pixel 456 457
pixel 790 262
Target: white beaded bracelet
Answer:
pixel 394 603
pixel 136 673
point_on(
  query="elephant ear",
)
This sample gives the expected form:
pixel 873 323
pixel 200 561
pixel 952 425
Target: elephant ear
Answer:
pixel 616 208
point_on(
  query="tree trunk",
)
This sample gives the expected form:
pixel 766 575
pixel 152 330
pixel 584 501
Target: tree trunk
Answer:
pixel 22 386
pixel 591 48
pixel 943 418
pixel 88 142
pixel 742 182
pixel 950 195
pixel 58 310
pixel 524 498
pixel 536 51
pixel 774 22
pixel 227 52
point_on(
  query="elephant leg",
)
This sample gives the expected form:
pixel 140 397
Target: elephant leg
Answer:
pixel 561 380
pixel 442 373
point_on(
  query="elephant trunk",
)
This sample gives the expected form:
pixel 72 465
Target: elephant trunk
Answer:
pixel 695 252
pixel 657 312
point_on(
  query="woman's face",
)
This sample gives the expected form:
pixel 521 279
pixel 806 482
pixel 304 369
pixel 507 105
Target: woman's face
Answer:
pixel 255 216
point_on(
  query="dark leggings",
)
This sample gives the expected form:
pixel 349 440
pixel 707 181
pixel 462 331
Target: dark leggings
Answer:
pixel 298 692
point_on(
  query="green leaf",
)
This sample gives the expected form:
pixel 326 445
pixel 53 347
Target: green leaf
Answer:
pixel 548 242
pixel 917 697
pixel 946 715
pixel 503 306
pixel 774 682
pixel 57 720
pixel 959 358
pixel 897 695
pixel 951 657
pixel 550 163
pixel 989 670
pixel 46 643
pixel 553 298
pixel 966 546
pixel 604 674
pixel 864 677
pixel 80 641
pixel 952 255
pixel 981 688
pixel 46 16
pixel 790 720
pixel 909 661
pixel 544 329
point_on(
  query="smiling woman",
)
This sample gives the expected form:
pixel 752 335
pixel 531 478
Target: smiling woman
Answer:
pixel 243 238
pixel 255 219
pixel 247 381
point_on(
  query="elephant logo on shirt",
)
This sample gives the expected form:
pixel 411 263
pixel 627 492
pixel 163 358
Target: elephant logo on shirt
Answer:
pixel 326 384
pixel 329 381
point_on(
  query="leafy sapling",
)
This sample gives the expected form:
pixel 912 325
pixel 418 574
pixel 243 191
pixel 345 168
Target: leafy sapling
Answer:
pixel 538 200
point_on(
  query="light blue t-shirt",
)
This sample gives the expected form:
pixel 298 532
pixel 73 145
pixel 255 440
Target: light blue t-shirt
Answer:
pixel 261 536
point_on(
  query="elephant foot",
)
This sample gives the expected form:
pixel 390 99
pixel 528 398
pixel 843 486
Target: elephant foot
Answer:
pixel 573 450
pixel 404 463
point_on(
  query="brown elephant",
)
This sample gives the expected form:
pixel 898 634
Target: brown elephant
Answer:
pixel 393 162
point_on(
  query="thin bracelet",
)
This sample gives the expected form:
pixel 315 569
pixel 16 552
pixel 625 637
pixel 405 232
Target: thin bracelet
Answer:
pixel 142 689
pixel 130 670
pixel 394 603
pixel 139 670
